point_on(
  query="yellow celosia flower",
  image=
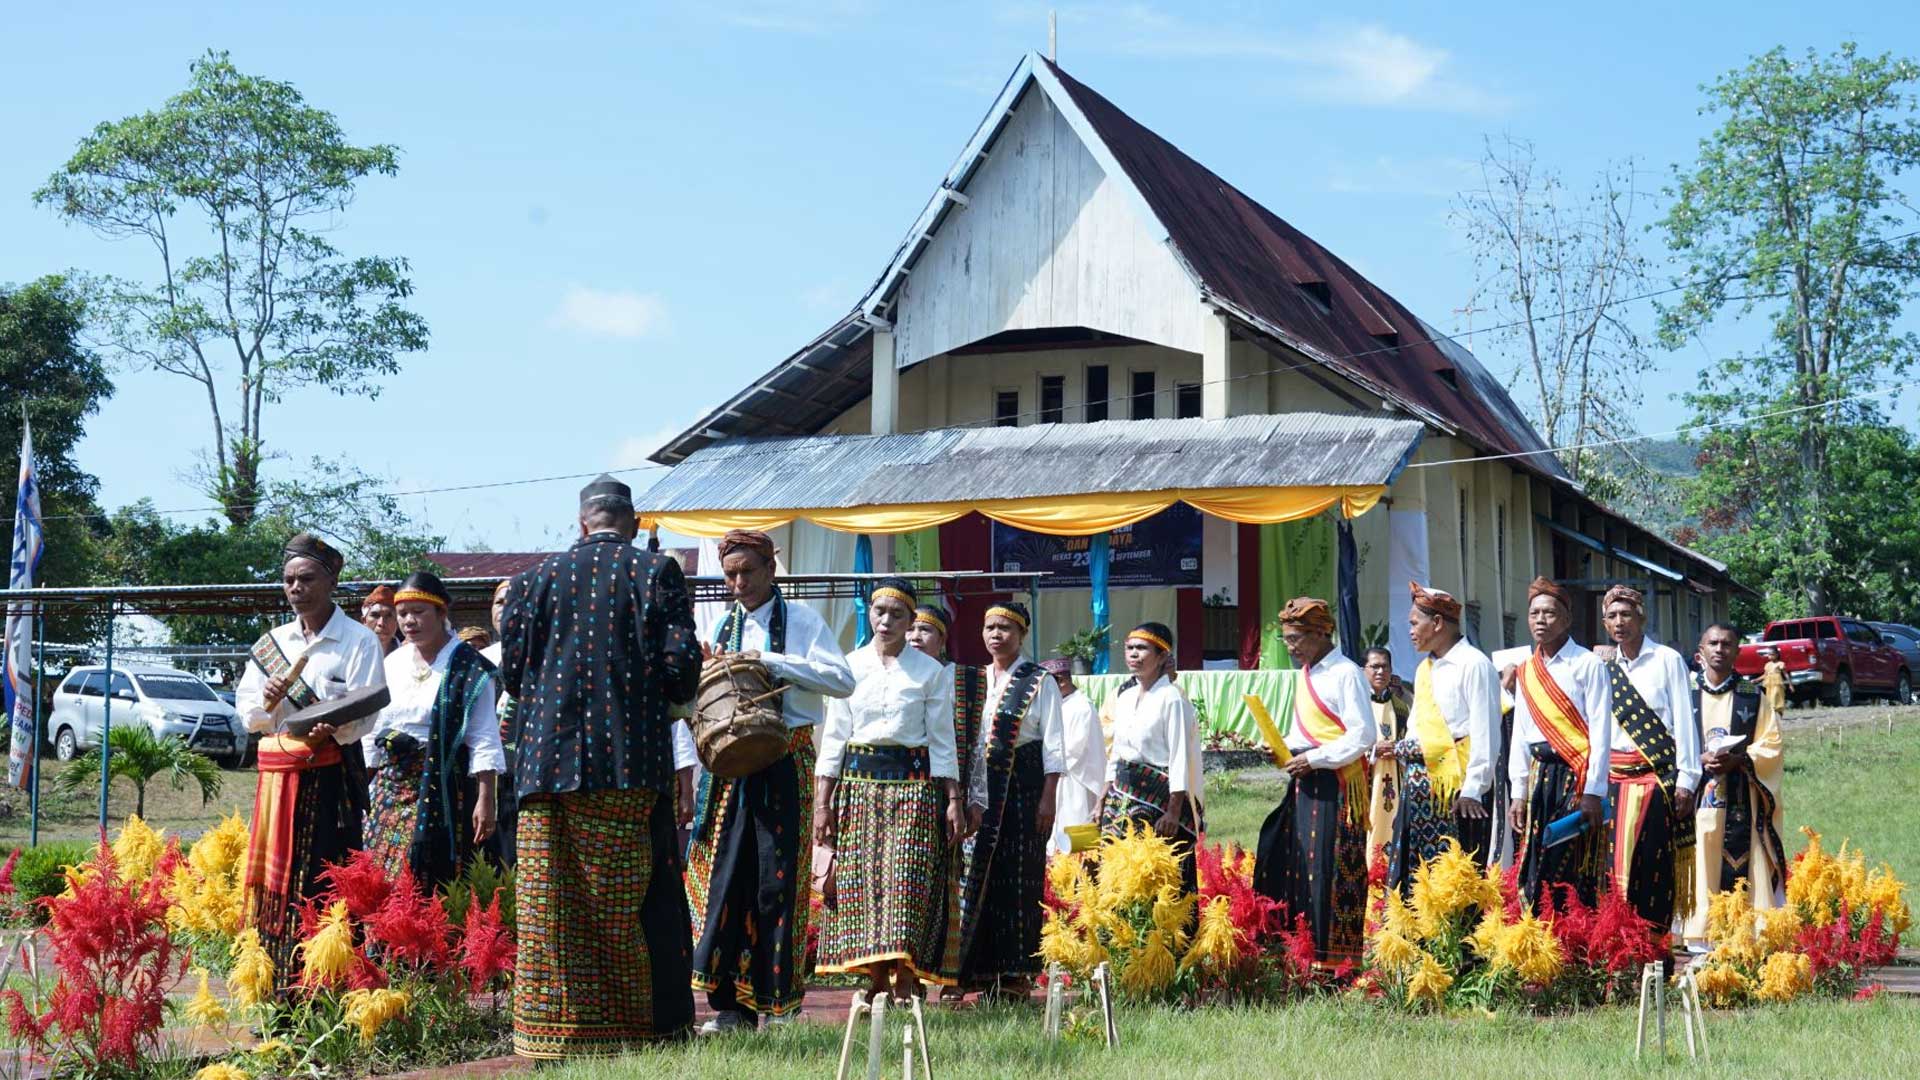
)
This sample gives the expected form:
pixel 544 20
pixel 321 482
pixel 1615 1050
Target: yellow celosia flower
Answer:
pixel 1778 928
pixel 220 1070
pixel 1430 982
pixel 1399 919
pixel 1730 915
pixel 1720 985
pixel 1171 913
pixel 1150 969
pixel 1216 945
pixel 1485 938
pixel 1886 895
pixel 1394 954
pixel 1061 944
pixel 1786 976
pixel 1134 867
pixel 327 957
pixel 219 850
pixel 250 982
pixel 1529 949
pixel 370 1010
pixel 205 1009
pixel 274 1051
pixel 136 849
pixel 1066 876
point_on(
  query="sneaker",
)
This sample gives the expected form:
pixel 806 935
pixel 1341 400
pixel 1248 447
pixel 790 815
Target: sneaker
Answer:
pixel 782 1020
pixel 726 1022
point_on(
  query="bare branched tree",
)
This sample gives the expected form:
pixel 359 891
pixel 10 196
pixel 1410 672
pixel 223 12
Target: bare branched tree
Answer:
pixel 1557 268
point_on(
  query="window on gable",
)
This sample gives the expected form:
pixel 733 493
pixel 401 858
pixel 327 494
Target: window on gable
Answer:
pixel 1143 395
pixel 1186 400
pixel 1053 398
pixel 1096 393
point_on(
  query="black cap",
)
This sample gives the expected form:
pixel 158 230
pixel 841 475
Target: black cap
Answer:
pixel 606 492
pixel 308 546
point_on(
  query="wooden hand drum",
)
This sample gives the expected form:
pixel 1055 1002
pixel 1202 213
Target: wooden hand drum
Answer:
pixel 737 726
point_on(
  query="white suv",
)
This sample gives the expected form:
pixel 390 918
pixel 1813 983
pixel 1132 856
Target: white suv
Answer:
pixel 166 700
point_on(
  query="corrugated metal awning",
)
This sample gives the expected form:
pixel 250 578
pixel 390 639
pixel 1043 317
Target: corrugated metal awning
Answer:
pixel 1074 476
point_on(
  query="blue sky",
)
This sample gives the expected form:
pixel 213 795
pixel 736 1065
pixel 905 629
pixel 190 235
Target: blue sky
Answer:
pixel 616 216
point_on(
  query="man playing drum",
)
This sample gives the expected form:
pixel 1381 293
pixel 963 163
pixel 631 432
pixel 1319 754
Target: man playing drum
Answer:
pixel 752 849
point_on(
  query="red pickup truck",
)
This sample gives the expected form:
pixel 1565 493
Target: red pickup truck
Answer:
pixel 1831 658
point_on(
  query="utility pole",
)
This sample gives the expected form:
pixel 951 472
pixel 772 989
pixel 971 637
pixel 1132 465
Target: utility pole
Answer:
pixel 1053 36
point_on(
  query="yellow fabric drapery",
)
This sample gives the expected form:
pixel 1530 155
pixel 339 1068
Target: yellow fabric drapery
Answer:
pixel 1055 515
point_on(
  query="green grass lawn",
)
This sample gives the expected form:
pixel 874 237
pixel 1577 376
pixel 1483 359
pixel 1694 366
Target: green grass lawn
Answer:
pixel 77 816
pixel 1326 1038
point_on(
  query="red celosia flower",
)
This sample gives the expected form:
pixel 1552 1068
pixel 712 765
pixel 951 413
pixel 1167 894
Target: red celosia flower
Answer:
pixel 366 974
pixel 411 927
pixel 1300 951
pixel 486 949
pixel 1510 892
pixel 6 873
pixel 1377 870
pixel 1869 992
pixel 361 881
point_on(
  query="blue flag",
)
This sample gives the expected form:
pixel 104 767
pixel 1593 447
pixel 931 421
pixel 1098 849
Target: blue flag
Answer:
pixel 18 655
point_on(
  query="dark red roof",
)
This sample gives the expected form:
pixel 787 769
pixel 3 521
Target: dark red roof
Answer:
pixel 1247 256
pixel 484 564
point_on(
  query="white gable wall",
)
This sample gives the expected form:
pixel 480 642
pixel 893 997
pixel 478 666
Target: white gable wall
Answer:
pixel 1046 240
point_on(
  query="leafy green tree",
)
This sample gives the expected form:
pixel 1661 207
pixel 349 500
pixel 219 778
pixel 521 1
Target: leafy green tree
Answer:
pixel 140 757
pixel 1795 210
pixel 45 368
pixel 233 183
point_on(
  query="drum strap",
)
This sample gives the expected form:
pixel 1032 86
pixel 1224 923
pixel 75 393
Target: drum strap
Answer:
pixel 273 662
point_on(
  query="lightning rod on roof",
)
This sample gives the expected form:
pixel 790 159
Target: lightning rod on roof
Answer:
pixel 1053 36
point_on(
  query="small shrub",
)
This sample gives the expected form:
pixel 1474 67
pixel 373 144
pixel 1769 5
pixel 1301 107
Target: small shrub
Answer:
pixel 42 872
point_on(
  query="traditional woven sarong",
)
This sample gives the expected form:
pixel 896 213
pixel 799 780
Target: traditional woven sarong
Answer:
pixel 421 812
pixel 1648 860
pixel 601 925
pixel 1137 798
pixel 1553 792
pixel 302 821
pixel 1006 936
pixel 394 821
pixel 1312 859
pixel 892 896
pixel 750 855
pixel 1432 765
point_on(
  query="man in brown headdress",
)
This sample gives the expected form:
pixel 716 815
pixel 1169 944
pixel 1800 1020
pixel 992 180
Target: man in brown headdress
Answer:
pixel 1445 760
pixel 1562 727
pixel 1313 847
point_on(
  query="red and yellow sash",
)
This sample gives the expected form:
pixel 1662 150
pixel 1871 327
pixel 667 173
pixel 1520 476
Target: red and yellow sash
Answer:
pixel 1322 725
pixel 1560 723
pixel 269 867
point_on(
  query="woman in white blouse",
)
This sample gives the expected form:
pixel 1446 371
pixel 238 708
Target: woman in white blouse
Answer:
pixel 435 749
pixel 888 801
pixel 1153 774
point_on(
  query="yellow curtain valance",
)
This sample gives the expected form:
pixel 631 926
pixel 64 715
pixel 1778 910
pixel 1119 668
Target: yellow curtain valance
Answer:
pixel 1055 515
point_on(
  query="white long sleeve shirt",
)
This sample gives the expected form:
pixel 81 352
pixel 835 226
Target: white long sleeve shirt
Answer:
pixel 1661 676
pixel 903 701
pixel 414 685
pixel 1467 689
pixel 1342 687
pixel 343 656
pixel 812 663
pixel 1159 726
pixel 1584 680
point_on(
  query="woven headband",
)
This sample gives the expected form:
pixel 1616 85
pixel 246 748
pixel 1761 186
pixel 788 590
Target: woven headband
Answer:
pixel 928 618
pixel 888 590
pixel 419 595
pixel 1150 638
pixel 1008 614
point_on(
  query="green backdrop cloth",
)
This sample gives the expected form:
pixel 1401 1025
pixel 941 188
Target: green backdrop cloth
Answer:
pixel 917 551
pixel 1220 697
pixel 1297 558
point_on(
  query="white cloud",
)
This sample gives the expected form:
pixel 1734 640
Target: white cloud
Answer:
pixel 615 313
pixel 1363 64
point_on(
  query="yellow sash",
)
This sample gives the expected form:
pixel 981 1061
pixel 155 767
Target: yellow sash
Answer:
pixel 1554 714
pixel 1446 759
pixel 1322 725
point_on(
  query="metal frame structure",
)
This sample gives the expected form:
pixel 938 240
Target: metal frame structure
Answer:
pixel 267 598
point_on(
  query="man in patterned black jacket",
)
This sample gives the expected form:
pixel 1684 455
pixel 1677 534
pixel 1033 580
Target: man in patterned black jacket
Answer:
pixel 597 641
